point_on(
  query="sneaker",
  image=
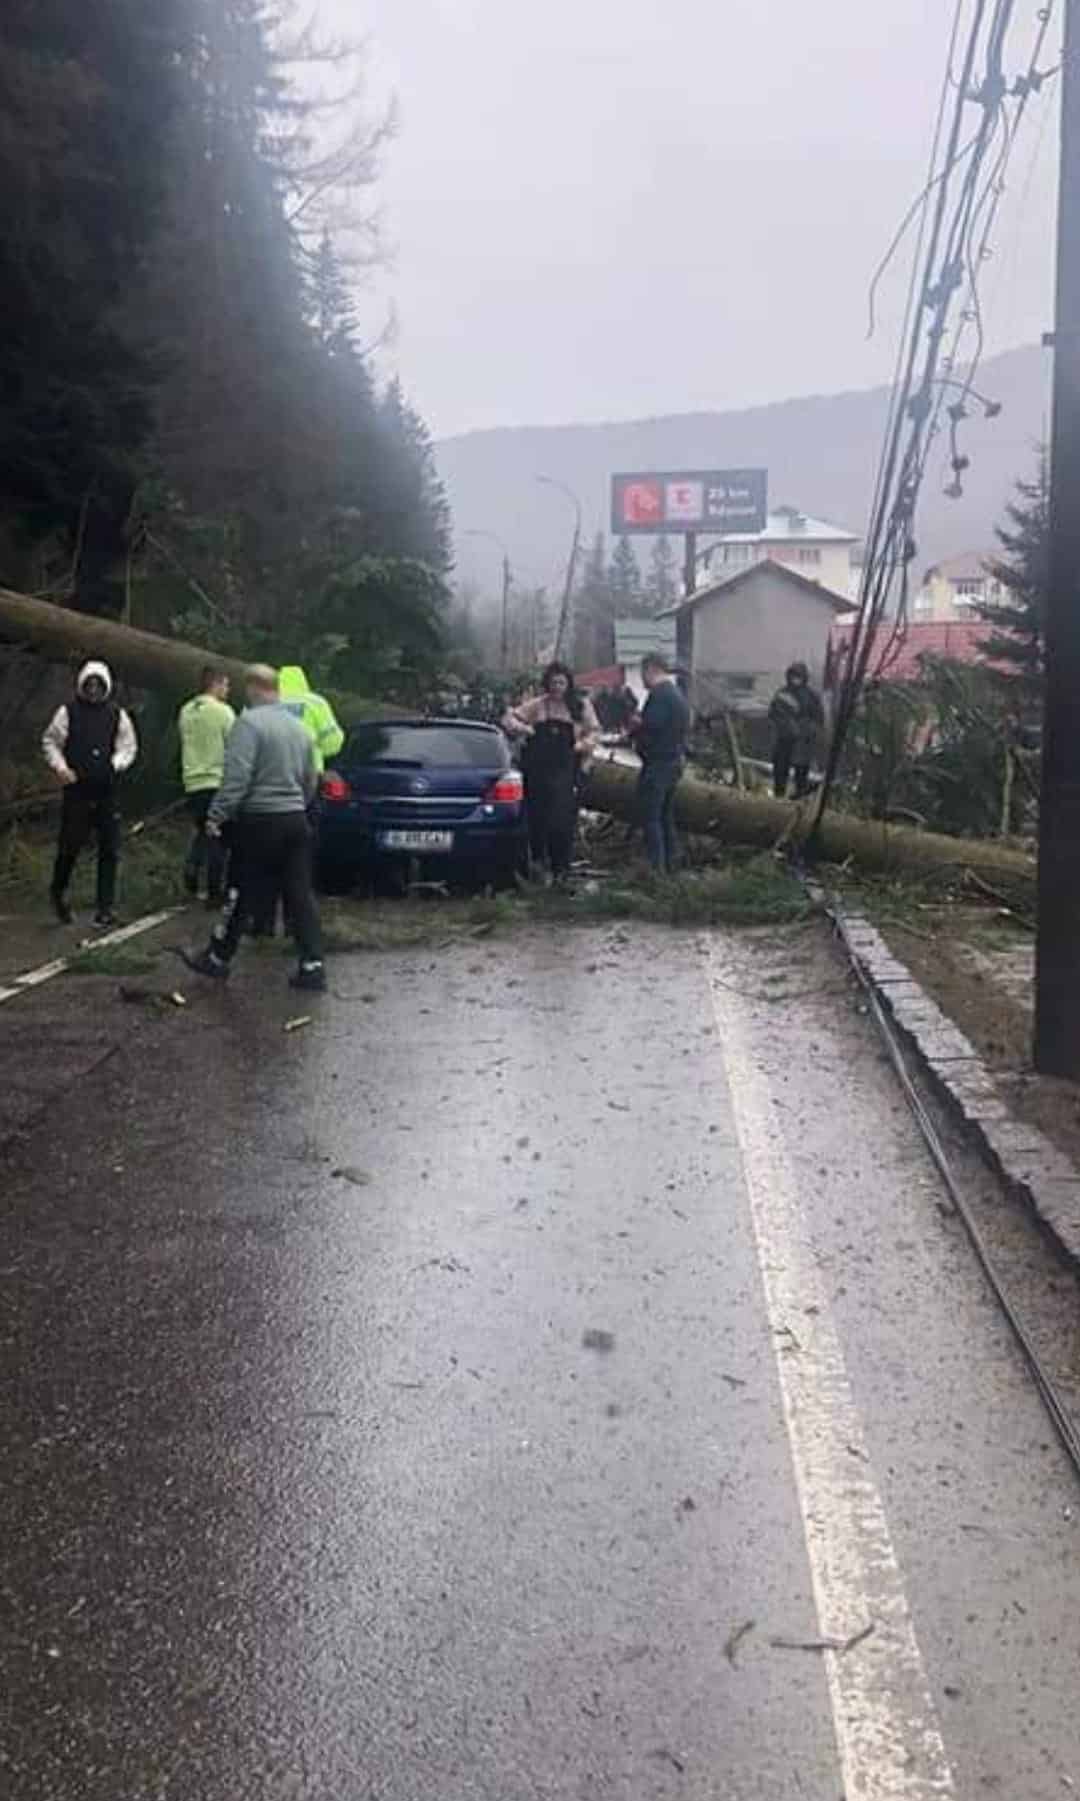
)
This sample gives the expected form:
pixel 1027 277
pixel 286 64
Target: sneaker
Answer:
pixel 105 917
pixel 61 909
pixel 204 963
pixel 311 977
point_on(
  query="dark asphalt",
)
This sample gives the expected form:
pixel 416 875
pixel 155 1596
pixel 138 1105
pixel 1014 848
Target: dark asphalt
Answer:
pixel 314 1489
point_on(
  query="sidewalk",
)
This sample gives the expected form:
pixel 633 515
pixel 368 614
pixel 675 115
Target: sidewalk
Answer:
pixel 968 1014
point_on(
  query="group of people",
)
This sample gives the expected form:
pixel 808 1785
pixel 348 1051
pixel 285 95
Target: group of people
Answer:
pixel 558 732
pixel 250 784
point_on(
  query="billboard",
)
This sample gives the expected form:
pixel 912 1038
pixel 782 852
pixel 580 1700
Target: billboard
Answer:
pixel 689 500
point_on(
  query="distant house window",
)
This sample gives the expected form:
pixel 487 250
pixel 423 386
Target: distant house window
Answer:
pixel 923 602
pixel 808 553
pixel 738 553
pixel 739 684
pixel 969 588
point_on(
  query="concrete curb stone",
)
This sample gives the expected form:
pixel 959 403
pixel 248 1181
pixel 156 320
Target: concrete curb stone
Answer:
pixel 1044 1177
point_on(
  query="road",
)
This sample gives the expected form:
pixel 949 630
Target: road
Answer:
pixel 501 1387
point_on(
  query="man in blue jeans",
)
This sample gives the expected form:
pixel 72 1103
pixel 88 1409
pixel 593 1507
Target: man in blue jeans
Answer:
pixel 660 740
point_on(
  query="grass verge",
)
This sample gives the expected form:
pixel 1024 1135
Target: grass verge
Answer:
pixel 150 864
pixel 111 961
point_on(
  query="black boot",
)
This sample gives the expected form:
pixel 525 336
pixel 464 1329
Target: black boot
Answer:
pixel 311 977
pixel 204 963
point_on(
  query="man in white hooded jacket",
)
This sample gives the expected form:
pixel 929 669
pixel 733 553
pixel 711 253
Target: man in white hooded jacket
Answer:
pixel 87 744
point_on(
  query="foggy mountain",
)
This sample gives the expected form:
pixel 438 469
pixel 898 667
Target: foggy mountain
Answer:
pixel 821 454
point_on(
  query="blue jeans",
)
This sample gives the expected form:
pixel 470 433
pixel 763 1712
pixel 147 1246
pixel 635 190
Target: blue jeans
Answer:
pixel 656 802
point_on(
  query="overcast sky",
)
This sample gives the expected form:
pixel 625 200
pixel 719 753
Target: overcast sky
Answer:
pixel 611 208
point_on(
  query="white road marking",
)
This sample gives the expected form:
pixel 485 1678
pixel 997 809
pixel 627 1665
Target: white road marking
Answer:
pixel 887 1732
pixel 33 978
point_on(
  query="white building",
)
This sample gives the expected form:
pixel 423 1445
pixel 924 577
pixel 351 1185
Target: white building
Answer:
pixel 952 590
pixel 811 547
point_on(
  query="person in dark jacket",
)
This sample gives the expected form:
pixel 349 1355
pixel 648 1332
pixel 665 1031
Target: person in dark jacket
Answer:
pixel 797 717
pixel 659 736
pixel 88 744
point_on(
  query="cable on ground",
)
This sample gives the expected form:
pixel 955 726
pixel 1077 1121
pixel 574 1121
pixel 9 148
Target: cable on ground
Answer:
pixel 1060 1417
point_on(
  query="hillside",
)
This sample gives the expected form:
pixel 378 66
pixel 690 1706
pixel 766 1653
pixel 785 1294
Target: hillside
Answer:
pixel 820 452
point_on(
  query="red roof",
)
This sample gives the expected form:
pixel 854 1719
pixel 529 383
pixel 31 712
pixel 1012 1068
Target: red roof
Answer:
pixel 896 659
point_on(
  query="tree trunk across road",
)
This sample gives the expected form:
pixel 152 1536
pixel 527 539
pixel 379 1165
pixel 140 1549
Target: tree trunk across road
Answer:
pixel 708 807
pixel 149 661
pixel 142 658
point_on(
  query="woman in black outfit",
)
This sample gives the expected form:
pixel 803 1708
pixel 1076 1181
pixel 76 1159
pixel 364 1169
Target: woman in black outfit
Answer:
pixel 559 731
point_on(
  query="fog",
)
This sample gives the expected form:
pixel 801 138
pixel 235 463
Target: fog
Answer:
pixel 609 208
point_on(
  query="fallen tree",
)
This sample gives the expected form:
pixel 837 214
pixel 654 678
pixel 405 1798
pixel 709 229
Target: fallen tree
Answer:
pixel 141 658
pixel 871 844
pixel 148 661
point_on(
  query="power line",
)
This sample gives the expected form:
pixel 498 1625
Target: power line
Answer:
pixel 957 208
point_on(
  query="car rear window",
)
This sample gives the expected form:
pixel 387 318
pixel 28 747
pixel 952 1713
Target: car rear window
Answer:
pixel 427 746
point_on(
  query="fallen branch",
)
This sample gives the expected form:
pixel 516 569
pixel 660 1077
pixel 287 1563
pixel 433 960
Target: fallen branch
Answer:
pixel 840 1645
pixel 734 1640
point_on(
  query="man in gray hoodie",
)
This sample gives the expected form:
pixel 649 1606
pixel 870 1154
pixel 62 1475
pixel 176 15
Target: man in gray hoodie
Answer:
pixel 269 781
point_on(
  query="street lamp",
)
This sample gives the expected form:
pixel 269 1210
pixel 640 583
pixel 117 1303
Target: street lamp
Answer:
pixel 549 481
pixel 480 531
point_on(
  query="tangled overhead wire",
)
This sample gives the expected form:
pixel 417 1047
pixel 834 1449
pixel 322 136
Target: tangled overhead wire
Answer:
pixel 935 380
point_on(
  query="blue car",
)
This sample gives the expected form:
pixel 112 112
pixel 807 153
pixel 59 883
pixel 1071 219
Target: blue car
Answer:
pixel 421 800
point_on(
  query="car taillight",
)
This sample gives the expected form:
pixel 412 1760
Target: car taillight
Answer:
pixel 507 791
pixel 335 787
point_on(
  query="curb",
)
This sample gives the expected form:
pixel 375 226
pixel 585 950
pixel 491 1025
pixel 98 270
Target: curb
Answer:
pixel 1033 1167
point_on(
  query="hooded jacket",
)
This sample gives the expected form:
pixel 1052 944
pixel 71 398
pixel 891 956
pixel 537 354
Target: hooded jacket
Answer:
pixel 797 714
pixel 315 714
pixel 89 739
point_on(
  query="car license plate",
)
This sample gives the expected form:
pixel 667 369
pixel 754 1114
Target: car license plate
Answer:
pixel 417 841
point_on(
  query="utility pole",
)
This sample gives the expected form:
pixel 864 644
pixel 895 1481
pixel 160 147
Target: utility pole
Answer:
pixel 690 565
pixel 481 531
pixel 563 627
pixel 1057 948
pixel 504 649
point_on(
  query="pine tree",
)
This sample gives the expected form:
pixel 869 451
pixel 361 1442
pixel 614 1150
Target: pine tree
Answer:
pixel 416 512
pixel 1023 571
pixel 624 577
pixel 333 309
pixel 661 583
pixel 594 612
pixel 184 395
pixel 87 91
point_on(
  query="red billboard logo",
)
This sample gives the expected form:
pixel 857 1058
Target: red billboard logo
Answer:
pixel 642 503
pixel 685 502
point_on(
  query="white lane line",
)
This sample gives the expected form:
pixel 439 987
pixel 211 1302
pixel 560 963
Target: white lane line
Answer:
pixel 887 1732
pixel 45 972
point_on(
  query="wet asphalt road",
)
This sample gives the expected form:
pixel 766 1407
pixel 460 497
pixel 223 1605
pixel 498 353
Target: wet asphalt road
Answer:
pixel 320 1484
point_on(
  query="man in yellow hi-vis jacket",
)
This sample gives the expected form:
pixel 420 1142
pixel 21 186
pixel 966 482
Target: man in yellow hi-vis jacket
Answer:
pixel 316 715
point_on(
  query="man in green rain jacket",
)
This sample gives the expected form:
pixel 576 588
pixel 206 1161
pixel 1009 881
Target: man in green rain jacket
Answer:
pixel 316 715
